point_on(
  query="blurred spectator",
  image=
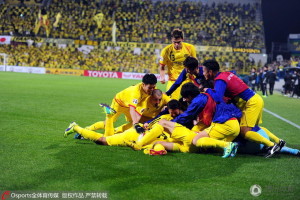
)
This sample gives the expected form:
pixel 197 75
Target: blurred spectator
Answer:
pixel 271 80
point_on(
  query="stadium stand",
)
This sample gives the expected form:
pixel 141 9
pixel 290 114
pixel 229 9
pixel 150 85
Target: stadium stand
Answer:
pixel 139 21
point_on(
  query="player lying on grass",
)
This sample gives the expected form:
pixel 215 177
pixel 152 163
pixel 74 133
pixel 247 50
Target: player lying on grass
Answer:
pixel 248 147
pixel 125 102
pixel 130 134
pixel 221 118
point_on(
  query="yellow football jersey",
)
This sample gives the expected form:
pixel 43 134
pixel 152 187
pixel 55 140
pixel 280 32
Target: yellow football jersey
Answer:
pixel 131 96
pixel 146 109
pixel 174 58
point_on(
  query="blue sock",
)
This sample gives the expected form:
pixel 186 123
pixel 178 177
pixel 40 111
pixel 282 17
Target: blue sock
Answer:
pixel 288 150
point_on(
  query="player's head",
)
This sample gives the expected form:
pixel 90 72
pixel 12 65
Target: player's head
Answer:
pixel 189 91
pixel 173 108
pixel 210 69
pixel 192 65
pixel 156 97
pixel 177 38
pixel 149 83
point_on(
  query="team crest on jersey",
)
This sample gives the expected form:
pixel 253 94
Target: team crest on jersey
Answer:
pixel 161 58
pixel 135 101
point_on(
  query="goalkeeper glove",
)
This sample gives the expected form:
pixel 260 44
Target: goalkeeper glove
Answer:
pixel 138 128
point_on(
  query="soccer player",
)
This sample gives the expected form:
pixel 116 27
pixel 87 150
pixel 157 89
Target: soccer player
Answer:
pixel 192 70
pixel 229 85
pixel 248 147
pixel 129 135
pixel 125 102
pixel 172 57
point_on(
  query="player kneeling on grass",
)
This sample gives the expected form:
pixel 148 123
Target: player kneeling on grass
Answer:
pixel 128 135
pixel 125 102
pixel 145 111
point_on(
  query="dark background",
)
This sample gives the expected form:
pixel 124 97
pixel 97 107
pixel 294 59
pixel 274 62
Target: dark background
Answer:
pixel 280 17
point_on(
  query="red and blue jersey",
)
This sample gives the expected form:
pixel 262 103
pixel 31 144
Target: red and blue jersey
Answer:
pixel 229 85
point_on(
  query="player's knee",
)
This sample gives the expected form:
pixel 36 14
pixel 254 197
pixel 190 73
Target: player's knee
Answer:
pixel 101 141
pixel 244 130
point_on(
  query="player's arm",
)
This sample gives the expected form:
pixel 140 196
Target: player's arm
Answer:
pixel 178 82
pixel 135 116
pixel 162 72
pixel 218 92
pixel 192 111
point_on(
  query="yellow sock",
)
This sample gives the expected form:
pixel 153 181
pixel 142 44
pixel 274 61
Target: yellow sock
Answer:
pixel 88 134
pixel 271 135
pixel 96 126
pixel 123 128
pixel 206 142
pixel 109 126
pixel 151 135
pixel 256 137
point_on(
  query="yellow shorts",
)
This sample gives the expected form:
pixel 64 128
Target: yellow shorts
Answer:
pixel 183 135
pixel 118 139
pixel 176 93
pixel 199 127
pixel 120 109
pixel 252 111
pixel 226 131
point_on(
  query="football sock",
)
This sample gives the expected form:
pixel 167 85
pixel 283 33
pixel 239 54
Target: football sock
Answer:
pixel 288 150
pixel 271 135
pixel 150 135
pixel 207 142
pixel 109 126
pixel 88 134
pixel 96 126
pixel 256 137
pixel 123 128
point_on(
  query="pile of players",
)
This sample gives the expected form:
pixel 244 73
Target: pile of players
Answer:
pixel 216 111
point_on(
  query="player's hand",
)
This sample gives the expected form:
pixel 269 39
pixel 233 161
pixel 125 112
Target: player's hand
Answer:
pixel 138 128
pixel 146 126
pixel 204 89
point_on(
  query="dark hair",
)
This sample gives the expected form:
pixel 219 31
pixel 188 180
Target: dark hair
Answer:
pixel 212 65
pixel 183 104
pixel 149 79
pixel 177 34
pixel 191 63
pixel 173 104
pixel 189 90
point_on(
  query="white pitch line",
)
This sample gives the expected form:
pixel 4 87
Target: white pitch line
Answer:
pixel 283 119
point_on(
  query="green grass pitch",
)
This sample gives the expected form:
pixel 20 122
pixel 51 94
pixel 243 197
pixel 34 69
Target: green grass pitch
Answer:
pixel 36 109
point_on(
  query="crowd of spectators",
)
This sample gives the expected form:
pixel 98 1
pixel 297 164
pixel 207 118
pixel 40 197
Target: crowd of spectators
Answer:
pixel 97 59
pixel 105 60
pixel 225 24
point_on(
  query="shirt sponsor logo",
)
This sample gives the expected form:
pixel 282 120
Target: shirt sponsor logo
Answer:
pixel 135 101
